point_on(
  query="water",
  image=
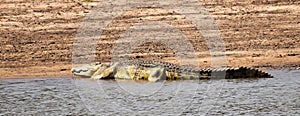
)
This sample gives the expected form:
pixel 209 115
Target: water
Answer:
pixel 65 96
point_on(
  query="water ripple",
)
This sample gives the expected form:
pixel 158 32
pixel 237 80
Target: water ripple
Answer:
pixel 64 96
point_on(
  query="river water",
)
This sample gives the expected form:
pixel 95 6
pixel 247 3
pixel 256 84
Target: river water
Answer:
pixel 64 96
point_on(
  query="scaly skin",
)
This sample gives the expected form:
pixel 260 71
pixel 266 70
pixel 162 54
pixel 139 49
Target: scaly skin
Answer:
pixel 158 70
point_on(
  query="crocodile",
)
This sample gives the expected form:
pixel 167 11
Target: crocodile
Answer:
pixel 159 70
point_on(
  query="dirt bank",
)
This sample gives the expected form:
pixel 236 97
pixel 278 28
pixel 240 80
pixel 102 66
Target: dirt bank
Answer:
pixel 36 37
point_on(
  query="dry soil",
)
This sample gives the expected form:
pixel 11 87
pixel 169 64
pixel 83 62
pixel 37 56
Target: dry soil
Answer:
pixel 36 36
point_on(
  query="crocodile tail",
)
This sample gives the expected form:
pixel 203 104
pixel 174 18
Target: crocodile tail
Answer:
pixel 246 72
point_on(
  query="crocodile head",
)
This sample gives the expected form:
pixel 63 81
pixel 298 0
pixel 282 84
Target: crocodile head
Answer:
pixel 88 70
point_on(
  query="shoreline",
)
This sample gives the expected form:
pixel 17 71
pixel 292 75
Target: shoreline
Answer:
pixel 72 77
pixel 68 74
pixel 280 60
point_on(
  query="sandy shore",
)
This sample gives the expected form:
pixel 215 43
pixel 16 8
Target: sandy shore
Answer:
pixel 36 37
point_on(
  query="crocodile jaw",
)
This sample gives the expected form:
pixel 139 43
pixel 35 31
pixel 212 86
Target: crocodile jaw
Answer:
pixel 83 72
pixel 92 70
pixel 86 70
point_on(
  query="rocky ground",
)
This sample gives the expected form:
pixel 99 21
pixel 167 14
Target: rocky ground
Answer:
pixel 36 36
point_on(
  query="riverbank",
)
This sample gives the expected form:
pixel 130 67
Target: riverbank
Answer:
pixel 36 37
